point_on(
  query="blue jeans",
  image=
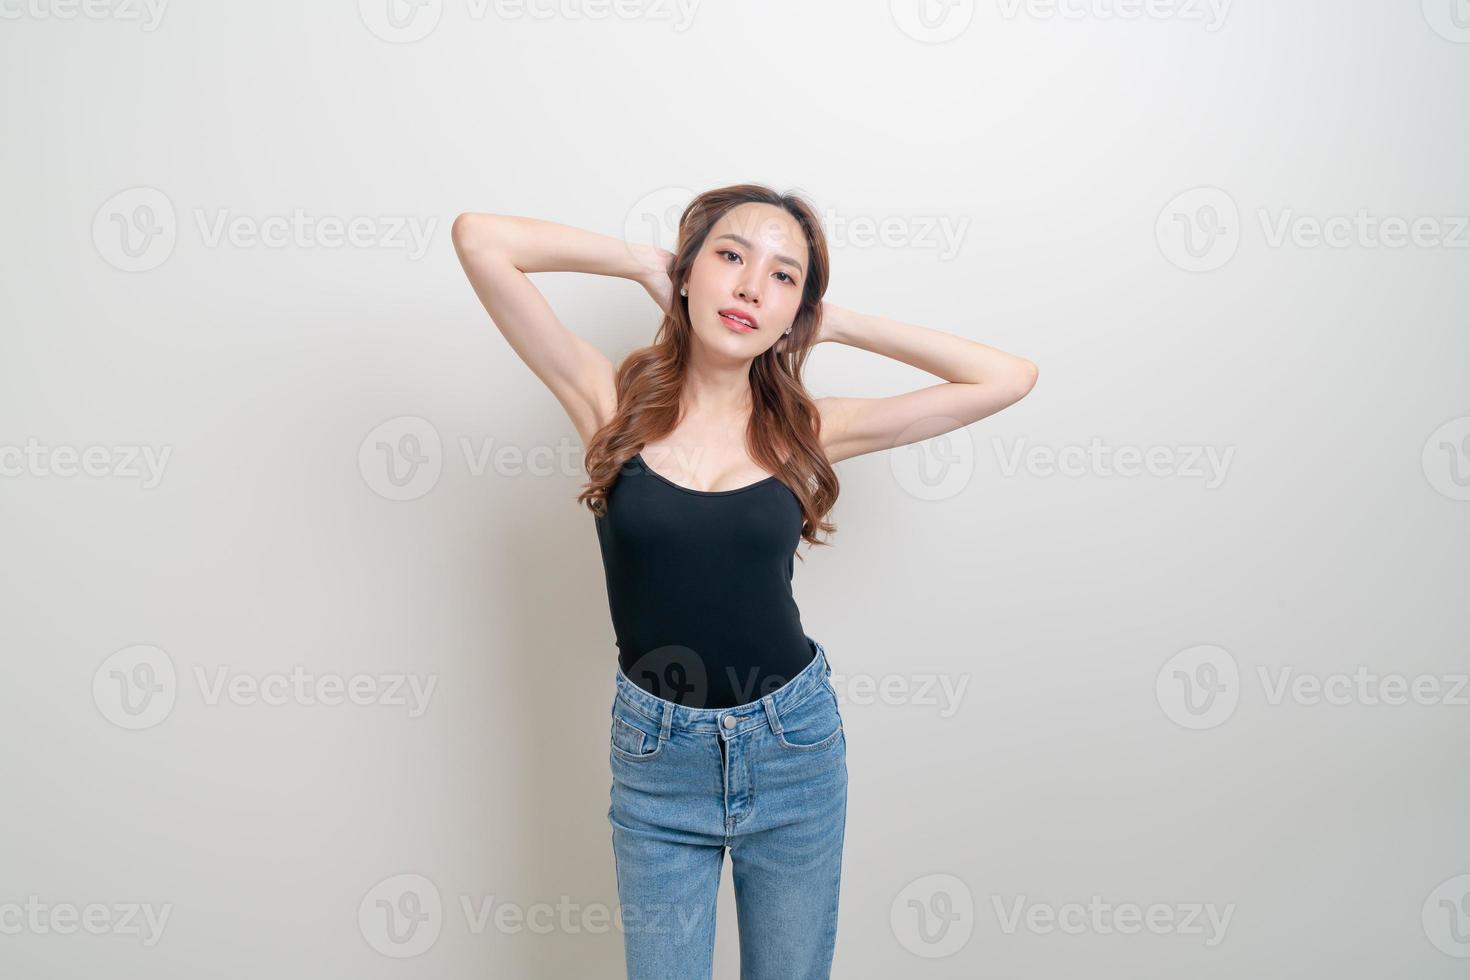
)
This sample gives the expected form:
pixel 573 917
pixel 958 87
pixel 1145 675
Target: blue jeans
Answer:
pixel 768 780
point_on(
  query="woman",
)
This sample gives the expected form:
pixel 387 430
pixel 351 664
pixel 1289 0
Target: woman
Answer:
pixel 708 463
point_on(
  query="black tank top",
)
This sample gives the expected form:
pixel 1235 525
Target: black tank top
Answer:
pixel 699 586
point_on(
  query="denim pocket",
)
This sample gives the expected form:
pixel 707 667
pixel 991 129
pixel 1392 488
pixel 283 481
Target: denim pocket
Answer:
pixel 815 723
pixel 630 737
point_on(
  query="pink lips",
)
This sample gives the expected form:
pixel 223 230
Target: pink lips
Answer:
pixel 726 314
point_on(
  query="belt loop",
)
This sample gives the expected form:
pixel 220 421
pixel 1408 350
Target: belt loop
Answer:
pixel 771 715
pixel 668 722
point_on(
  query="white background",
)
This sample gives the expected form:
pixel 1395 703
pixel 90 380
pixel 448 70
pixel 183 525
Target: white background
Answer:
pixel 1057 141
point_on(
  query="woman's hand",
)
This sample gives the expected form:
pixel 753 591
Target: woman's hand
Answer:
pixel 827 327
pixel 655 278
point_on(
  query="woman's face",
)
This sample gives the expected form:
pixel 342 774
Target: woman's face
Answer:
pixel 751 265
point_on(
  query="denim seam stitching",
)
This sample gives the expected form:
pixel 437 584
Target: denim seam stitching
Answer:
pixel 635 706
pixel 815 745
pixel 781 733
pixel 624 753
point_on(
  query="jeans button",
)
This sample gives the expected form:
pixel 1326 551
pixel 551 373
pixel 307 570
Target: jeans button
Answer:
pixel 729 721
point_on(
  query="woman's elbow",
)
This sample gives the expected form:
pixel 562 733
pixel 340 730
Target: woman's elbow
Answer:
pixel 472 230
pixel 1026 373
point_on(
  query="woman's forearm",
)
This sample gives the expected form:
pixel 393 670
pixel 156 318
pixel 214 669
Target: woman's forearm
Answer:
pixel 535 245
pixel 944 355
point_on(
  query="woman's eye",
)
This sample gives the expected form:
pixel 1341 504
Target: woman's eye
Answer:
pixel 726 251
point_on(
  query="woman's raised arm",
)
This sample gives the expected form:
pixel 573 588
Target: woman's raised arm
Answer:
pixel 981 381
pixel 498 250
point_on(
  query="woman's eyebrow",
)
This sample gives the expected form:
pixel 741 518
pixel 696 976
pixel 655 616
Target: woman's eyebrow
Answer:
pixel 781 258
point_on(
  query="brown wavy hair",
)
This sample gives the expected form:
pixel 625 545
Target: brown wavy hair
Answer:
pixel 784 433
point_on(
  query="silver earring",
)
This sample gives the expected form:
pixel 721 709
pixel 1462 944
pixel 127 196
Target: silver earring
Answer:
pixel 788 329
pixel 683 290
